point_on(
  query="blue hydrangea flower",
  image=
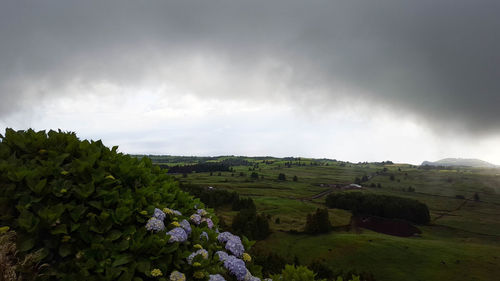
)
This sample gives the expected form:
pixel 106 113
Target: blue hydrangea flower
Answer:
pixel 155 225
pixel 253 278
pixel 235 246
pixel 216 277
pixel 159 214
pixel 195 218
pixel 204 235
pixel 222 255
pixel 201 252
pixel 177 235
pixel 177 213
pixel 201 212
pixel 186 226
pixel 236 267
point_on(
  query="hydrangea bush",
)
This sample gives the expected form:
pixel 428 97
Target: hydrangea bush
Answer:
pixel 97 214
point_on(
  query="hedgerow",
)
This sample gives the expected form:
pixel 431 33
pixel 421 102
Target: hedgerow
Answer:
pixel 95 214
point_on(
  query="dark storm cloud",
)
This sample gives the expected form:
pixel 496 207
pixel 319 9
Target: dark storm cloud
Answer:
pixel 439 60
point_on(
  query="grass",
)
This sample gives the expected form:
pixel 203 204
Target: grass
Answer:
pixel 461 243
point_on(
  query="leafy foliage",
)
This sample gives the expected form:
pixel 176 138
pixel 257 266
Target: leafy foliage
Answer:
pixel 85 207
pixel 380 205
pixel 292 273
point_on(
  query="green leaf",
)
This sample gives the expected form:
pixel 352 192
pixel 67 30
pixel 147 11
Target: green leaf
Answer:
pixel 122 259
pixel 60 229
pixel 122 213
pixel 113 235
pixel 51 213
pixel 77 212
pixel 122 246
pixel 85 190
pixel 25 244
pixel 27 220
pixel 64 250
pixel 144 266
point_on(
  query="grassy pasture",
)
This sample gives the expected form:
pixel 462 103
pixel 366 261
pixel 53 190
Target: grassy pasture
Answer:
pixel 461 243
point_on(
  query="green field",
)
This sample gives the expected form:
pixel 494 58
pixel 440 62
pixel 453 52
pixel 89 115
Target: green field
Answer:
pixel 462 241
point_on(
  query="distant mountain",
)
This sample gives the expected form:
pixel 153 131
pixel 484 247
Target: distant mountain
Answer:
pixel 452 162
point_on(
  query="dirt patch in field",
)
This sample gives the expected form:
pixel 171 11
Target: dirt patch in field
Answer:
pixel 394 227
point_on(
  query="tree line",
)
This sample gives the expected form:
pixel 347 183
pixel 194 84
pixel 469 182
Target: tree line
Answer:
pixel 380 205
pixel 199 168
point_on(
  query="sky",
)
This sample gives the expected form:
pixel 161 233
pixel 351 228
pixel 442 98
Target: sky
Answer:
pixel 351 80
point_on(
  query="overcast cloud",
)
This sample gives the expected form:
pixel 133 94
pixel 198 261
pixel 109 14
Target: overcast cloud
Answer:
pixel 435 62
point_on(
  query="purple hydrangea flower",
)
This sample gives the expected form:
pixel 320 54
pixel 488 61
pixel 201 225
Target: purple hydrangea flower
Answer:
pixel 155 225
pixel 201 212
pixel 195 218
pixel 177 213
pixel 209 222
pixel 236 267
pixel 216 277
pixel 186 226
pixel 177 234
pixel 235 247
pixel 222 255
pixel 224 236
pixel 204 235
pixel 159 214
pixel 201 252
pixel 253 278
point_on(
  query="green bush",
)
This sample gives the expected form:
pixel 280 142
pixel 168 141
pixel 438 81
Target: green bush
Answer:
pixel 86 206
pixel 292 273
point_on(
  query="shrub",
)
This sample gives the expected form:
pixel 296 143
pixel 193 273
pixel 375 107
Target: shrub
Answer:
pixel 86 207
pixel 281 177
pixel 292 273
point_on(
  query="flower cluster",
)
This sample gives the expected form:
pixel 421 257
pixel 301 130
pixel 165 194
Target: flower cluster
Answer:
pixel 159 214
pixel 186 226
pixel 201 212
pixel 233 258
pixel 204 235
pixel 155 225
pixel 236 267
pixel 195 218
pixel 177 276
pixel 209 222
pixel 201 252
pixel 156 272
pixel 172 212
pixel 177 235
pixel 222 255
pixel 216 277
pixel 246 257
pixel 233 243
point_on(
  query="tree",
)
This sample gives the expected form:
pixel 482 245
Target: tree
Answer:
pixel 254 176
pixel 281 177
pixel 295 178
pixel 318 222
pixel 476 196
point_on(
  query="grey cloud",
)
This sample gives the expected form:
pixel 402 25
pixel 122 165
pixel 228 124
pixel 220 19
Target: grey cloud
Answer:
pixel 437 59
